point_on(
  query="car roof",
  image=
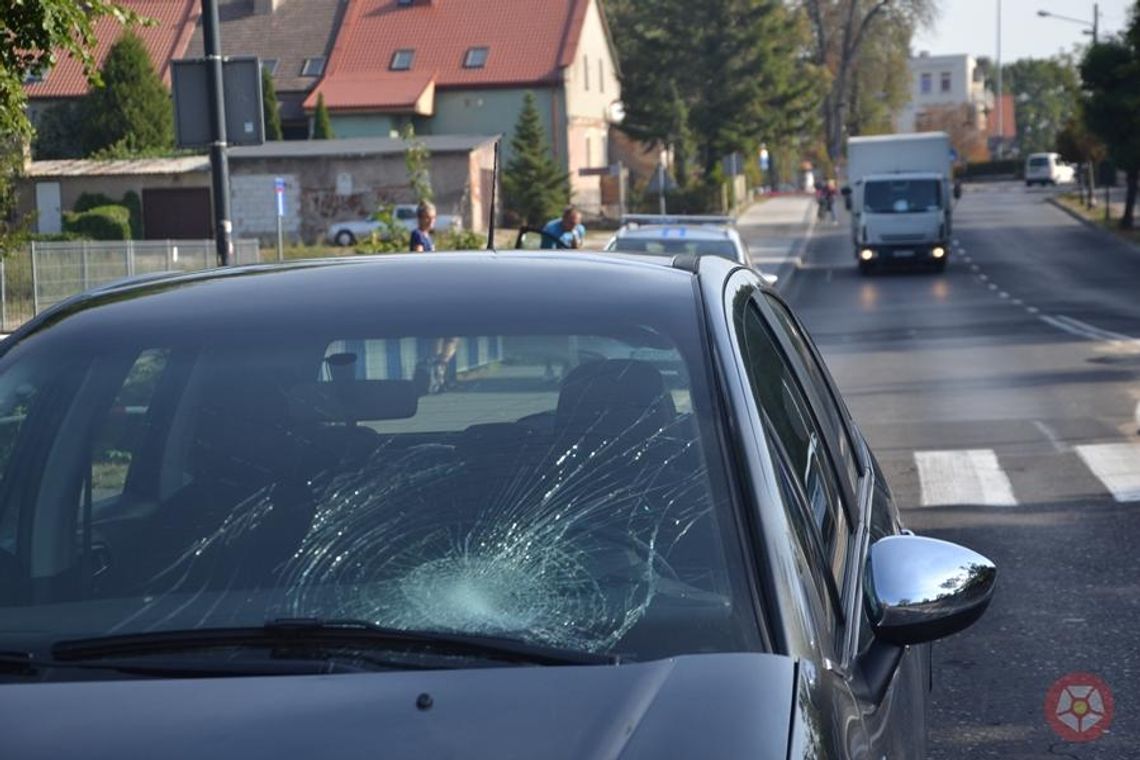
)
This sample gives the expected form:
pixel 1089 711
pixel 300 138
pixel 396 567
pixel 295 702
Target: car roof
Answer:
pixel 289 294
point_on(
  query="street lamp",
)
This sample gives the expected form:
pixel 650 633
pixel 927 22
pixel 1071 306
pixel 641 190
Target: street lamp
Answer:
pixel 1094 27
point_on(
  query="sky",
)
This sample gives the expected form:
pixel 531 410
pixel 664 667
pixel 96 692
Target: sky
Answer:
pixel 970 26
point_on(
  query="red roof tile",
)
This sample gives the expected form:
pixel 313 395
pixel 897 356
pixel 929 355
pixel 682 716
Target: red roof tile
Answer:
pixel 165 40
pixel 529 42
pixel 1008 127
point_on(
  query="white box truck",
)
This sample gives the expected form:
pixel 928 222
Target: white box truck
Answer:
pixel 900 192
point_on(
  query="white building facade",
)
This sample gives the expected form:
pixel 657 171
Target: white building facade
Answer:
pixel 941 81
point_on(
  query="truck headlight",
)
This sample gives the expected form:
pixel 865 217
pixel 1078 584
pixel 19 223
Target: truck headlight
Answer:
pixel 866 254
pixel 938 252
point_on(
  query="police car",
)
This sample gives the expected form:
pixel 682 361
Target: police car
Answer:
pixel 672 235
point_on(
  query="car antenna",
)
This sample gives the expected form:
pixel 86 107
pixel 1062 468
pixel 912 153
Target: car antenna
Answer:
pixel 494 187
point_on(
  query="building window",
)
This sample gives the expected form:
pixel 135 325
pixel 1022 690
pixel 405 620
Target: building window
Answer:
pixel 313 67
pixel 402 60
pixel 945 81
pixel 601 75
pixel 33 76
pixel 589 153
pixel 927 84
pixel 586 71
pixel 269 65
pixel 476 58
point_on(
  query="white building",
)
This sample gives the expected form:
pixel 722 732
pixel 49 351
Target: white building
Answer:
pixel 940 81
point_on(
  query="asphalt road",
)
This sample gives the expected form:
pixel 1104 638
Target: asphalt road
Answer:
pixel 1002 401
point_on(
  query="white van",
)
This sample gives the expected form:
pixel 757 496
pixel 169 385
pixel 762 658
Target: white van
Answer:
pixel 1047 169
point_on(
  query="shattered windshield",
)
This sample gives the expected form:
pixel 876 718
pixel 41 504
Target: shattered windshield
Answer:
pixel 560 489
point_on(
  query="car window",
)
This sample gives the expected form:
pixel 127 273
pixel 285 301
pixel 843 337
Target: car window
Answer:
pixel 831 411
pixel 675 246
pixel 557 487
pixel 779 395
pixel 120 434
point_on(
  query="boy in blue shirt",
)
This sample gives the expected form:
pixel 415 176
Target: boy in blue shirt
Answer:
pixel 421 235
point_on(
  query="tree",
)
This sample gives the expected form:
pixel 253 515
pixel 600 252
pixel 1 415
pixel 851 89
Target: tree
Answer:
pixel 535 188
pixel 712 78
pixel 1045 92
pixel 880 80
pixel 32 37
pixel 1109 73
pixel 269 106
pixel 1076 143
pixel 959 122
pixel 130 111
pixel 322 122
pixel 416 160
pixel 840 28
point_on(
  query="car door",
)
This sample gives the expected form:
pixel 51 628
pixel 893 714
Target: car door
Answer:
pixel 894 716
pixel 815 532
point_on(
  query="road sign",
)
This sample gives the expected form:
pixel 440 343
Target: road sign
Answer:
pixel 279 190
pixel 245 119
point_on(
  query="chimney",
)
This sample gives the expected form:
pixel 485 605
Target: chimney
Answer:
pixel 266 7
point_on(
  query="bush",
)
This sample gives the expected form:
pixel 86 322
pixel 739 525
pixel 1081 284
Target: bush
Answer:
pixel 133 203
pixel 390 237
pixel 88 201
pixel 1006 167
pixel 100 223
pixel 461 240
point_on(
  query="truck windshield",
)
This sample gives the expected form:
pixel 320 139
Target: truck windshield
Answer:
pixel 1038 162
pixel 902 196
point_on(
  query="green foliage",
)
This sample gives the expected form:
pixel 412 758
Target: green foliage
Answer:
pixel 100 223
pixel 391 236
pixel 1110 72
pixel 131 111
pixel 269 108
pixel 133 203
pixel 1046 92
pixel 714 77
pixel 58 133
pixel 880 80
pixel 535 188
pixel 88 201
pixel 322 122
pixel 417 160
pixel 461 240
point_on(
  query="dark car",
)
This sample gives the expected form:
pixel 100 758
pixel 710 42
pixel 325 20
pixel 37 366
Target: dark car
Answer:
pixel 232 526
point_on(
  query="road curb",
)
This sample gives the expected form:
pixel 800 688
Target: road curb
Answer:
pixel 1093 225
pixel 795 260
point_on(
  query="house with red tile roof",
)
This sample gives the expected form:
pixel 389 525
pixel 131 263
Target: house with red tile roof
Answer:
pixel 293 39
pixel 462 67
pixel 165 39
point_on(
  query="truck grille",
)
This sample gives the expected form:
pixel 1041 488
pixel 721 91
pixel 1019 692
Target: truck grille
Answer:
pixel 903 238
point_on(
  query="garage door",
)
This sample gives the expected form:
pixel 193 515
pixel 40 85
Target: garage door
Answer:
pixel 177 214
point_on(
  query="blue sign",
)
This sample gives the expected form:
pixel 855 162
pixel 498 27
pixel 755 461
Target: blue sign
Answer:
pixel 279 188
pixel 953 154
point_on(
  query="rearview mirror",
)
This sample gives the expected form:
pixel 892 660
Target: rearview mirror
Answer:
pixel 923 589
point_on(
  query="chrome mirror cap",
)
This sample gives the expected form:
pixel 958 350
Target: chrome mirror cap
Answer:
pixel 922 589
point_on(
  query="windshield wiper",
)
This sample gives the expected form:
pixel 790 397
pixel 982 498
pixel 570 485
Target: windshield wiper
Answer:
pixel 314 633
pixel 29 664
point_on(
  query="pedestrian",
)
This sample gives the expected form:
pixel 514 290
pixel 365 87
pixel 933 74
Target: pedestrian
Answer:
pixel 831 190
pixel 425 224
pixel 567 230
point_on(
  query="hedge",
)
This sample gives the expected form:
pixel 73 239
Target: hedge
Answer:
pixel 100 223
pixel 1007 167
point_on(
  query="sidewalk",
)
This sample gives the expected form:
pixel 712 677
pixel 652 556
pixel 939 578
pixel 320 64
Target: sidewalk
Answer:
pixel 777 231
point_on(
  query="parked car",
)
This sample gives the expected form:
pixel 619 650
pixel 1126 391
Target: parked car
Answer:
pixel 349 232
pixel 671 235
pixel 231 526
pixel 1048 169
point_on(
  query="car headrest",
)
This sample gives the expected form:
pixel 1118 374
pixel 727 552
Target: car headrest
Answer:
pixel 611 396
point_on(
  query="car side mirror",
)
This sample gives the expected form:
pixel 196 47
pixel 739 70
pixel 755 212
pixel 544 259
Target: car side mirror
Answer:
pixel 924 589
pixel 957 190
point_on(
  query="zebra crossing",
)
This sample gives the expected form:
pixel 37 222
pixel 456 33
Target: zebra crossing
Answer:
pixel 980 477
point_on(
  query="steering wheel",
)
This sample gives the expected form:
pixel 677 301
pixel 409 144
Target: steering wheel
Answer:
pixel 558 242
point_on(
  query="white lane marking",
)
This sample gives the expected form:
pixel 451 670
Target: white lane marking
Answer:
pixel 1117 466
pixel 1090 332
pixel 992 286
pixel 974 268
pixel 1058 445
pixel 1017 302
pixel 970 476
pixel 983 277
pixel 1032 309
pixel 1003 294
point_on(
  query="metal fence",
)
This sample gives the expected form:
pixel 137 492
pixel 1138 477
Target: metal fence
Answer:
pixel 43 274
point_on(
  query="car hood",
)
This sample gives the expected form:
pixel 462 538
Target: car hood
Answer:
pixel 708 706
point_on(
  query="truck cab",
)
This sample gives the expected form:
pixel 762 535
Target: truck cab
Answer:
pixel 903 217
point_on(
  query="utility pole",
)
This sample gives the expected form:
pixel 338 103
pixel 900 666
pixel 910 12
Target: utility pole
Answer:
pixel 219 162
pixel 1000 103
pixel 1096 23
